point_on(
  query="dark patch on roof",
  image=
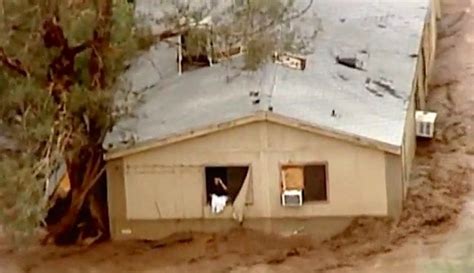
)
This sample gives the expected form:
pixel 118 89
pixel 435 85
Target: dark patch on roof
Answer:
pixel 380 86
pixel 354 60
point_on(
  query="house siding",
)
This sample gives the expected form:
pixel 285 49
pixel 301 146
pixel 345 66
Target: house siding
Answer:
pixel 395 184
pixel 409 144
pixel 160 191
pixel 426 57
pixel 420 91
pixel 356 175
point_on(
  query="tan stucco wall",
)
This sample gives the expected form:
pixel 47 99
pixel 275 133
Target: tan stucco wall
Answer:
pixel 409 143
pixel 356 175
pixel 395 188
pixel 116 196
pixel 167 183
pixel 437 6
pixel 240 146
pixel 421 89
pixel 426 56
pixel 429 41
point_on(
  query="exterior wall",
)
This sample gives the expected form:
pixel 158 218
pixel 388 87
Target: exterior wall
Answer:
pixel 409 143
pixel 430 38
pixel 426 57
pixel 169 164
pixel 437 7
pixel 420 85
pixel 421 90
pixel 165 186
pixel 395 184
pixel 356 175
pixel 116 196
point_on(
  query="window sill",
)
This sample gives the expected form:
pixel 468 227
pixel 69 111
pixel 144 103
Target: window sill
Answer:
pixel 323 202
pixel 308 204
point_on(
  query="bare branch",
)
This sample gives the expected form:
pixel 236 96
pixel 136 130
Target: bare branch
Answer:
pixel 282 19
pixel 13 64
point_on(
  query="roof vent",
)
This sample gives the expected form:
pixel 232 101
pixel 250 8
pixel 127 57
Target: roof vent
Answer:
pixel 290 60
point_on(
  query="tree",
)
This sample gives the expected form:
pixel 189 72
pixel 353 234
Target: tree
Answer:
pixel 59 63
pixel 60 77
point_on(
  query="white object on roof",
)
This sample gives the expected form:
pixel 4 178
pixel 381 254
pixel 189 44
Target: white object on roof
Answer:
pixel 290 60
pixel 206 21
pixel 218 203
pixel 425 123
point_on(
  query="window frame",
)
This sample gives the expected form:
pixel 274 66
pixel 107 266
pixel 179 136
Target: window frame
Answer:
pixel 232 165
pixel 324 163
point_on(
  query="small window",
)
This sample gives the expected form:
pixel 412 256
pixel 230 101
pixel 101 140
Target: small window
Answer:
pixel 226 181
pixel 311 179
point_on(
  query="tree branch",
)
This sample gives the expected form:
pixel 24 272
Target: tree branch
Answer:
pixel 53 34
pixel 78 49
pixel 100 44
pixel 12 64
pixel 282 19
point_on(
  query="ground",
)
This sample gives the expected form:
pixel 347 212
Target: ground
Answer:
pixel 435 234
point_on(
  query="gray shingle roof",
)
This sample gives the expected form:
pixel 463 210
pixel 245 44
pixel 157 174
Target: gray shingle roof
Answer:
pixel 389 30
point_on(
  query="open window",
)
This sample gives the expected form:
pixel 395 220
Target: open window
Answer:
pixel 310 179
pixel 232 178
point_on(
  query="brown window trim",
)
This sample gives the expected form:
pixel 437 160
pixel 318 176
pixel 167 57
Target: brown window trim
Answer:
pixel 302 164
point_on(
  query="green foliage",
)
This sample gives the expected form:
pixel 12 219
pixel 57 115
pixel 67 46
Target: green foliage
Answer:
pixel 21 196
pixel 44 132
pixel 260 27
pixel 258 51
pixel 197 41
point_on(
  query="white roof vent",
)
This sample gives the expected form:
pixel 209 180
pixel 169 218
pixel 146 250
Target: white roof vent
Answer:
pixel 292 198
pixel 425 123
pixel 290 60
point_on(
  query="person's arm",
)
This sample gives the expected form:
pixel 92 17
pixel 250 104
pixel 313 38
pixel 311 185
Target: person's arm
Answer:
pixel 220 182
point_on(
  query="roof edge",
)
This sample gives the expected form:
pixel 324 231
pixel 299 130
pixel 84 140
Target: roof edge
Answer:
pixel 155 143
pixel 256 117
pixel 334 133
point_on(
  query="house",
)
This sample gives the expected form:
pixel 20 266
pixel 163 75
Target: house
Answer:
pixel 337 136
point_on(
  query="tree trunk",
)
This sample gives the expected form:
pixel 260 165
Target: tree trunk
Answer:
pixel 83 211
pixel 85 207
pixel 86 213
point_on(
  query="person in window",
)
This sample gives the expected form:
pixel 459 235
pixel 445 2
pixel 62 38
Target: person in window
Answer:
pixel 219 195
pixel 219 187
